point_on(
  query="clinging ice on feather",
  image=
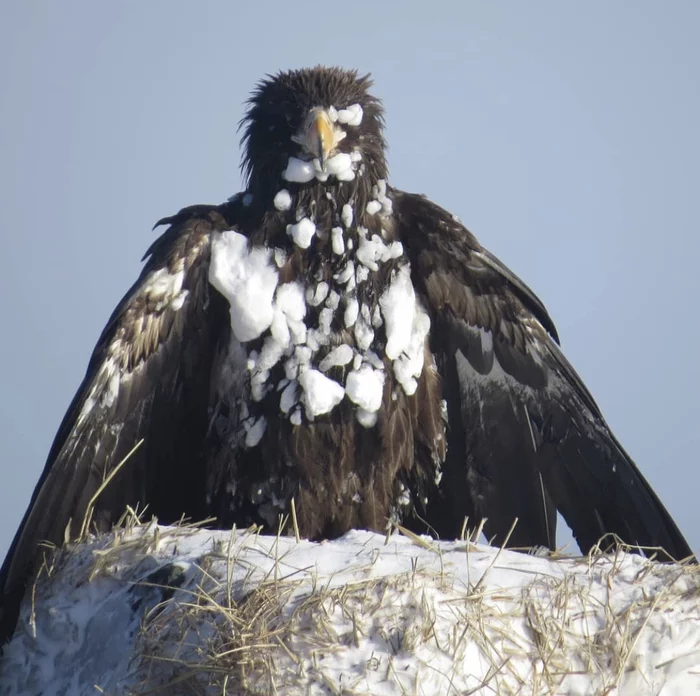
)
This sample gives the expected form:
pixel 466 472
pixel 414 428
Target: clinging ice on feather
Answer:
pixel 325 337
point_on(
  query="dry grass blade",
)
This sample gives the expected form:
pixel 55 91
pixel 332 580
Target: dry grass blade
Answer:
pixel 85 526
pixel 415 538
pixel 295 523
pixel 495 558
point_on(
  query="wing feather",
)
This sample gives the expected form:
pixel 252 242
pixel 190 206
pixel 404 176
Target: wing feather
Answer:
pixel 525 435
pixel 147 379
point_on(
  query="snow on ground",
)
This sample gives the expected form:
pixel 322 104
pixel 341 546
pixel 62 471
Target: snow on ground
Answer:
pixel 186 611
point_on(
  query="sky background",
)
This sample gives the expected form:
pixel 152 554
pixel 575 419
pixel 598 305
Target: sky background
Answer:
pixel 564 135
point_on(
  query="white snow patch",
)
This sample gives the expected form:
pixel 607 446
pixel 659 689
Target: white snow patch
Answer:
pixel 361 274
pixel 280 257
pixel 297 362
pixel 325 319
pixel 340 166
pixel 365 387
pixel 298 330
pixel 321 394
pixel 299 171
pixel 352 309
pixel 347 272
pixel 373 359
pixel 337 241
pixel 347 215
pixel 270 354
pixel 350 285
pixel 314 339
pixel 247 279
pixel 282 200
pixel 333 300
pixel 339 356
pixel 367 419
pixel 373 250
pixel 289 311
pixel 280 328
pixel 352 115
pixel 394 250
pixel 314 296
pixel 255 432
pixel 373 207
pixel 364 335
pixel 290 299
pixel 409 365
pixel 379 192
pixel 288 398
pixel 398 305
pixel 302 232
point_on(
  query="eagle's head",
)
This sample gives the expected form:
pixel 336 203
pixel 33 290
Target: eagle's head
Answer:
pixel 311 126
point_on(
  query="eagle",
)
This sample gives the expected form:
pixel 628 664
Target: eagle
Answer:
pixel 326 341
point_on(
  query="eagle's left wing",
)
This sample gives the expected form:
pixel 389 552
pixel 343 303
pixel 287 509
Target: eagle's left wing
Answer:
pixel 133 433
pixel 525 437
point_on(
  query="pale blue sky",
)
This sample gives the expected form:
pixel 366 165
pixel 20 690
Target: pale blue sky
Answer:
pixel 565 135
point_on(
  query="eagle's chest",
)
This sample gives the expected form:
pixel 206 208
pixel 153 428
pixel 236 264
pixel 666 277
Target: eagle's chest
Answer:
pixel 328 341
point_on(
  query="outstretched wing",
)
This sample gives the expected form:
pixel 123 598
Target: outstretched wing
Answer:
pixel 147 382
pixel 525 436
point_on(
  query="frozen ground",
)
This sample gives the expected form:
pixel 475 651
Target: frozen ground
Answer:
pixel 365 614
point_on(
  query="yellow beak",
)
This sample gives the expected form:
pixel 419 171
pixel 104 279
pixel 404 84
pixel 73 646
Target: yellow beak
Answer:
pixel 320 137
pixel 317 135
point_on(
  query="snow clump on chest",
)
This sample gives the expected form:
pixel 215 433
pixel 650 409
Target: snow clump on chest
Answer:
pixel 311 344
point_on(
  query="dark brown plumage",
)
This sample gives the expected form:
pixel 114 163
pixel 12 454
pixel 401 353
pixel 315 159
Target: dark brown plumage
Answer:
pixel 480 416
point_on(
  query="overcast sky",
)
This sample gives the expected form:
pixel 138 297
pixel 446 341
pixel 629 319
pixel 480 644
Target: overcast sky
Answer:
pixel 564 135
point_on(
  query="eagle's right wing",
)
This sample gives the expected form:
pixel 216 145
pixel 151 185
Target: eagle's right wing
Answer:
pixel 146 387
pixel 525 437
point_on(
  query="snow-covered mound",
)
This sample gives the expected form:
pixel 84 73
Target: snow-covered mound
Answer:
pixel 158 610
